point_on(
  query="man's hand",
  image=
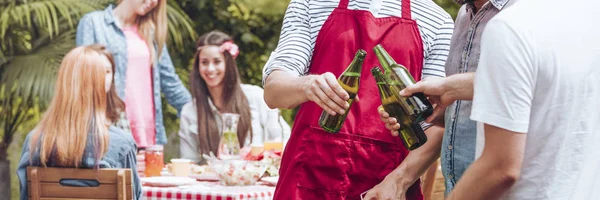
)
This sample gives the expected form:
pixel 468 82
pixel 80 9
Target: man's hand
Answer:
pixel 435 89
pixel 388 189
pixel 442 92
pixel 326 92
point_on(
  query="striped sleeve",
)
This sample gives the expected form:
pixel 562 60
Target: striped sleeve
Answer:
pixel 438 53
pixel 294 50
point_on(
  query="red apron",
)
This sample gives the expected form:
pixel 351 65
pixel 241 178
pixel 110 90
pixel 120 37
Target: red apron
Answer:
pixel 319 165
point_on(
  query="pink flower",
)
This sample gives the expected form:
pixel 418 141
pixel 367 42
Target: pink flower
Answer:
pixel 231 48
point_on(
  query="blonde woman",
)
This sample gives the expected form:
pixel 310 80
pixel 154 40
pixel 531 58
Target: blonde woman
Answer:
pixel 75 131
pixel 135 32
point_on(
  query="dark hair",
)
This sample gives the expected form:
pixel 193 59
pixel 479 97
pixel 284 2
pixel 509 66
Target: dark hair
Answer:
pixel 233 98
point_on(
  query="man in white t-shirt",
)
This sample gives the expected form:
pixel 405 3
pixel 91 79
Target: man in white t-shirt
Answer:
pixel 537 91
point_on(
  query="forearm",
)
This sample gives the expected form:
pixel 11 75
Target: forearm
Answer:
pixel 497 169
pixel 460 86
pixel 419 160
pixel 285 91
pixel 482 180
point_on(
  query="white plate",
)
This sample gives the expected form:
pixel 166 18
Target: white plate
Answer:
pixel 270 180
pixel 206 176
pixel 167 181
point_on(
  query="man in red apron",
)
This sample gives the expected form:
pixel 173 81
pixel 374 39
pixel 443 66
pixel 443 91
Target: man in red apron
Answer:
pixel 321 165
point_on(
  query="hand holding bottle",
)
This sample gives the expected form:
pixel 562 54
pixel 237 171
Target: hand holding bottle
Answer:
pixel 442 92
pixel 436 92
pixel 326 91
pixel 349 81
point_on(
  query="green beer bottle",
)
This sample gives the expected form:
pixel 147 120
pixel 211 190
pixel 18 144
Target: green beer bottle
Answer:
pixel 349 80
pixel 411 133
pixel 398 78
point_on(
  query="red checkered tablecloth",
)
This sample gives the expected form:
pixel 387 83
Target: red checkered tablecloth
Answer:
pixel 209 191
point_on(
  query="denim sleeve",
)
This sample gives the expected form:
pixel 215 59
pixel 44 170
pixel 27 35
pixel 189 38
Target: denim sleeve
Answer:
pixel 170 84
pixel 131 163
pixel 85 32
pixel 22 169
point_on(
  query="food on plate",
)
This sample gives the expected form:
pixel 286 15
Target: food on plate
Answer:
pixel 199 169
pixel 238 172
pixel 194 168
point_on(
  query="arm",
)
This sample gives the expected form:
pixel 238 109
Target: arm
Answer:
pixel 445 91
pixel 188 141
pixel 283 90
pixel 459 87
pixel 283 76
pixel 85 32
pixel 410 170
pixel 419 160
pixel 496 170
pixel 170 84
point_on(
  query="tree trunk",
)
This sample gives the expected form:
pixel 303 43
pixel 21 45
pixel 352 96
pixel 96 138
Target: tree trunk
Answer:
pixel 4 179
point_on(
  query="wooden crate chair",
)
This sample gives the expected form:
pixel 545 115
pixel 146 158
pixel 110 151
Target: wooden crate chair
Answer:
pixel 44 184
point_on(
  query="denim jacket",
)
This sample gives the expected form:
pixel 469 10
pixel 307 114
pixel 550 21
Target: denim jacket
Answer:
pixel 99 27
pixel 460 137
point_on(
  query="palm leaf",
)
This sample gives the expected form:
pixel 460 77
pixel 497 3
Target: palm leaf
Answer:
pixel 180 26
pixel 45 13
pixel 34 74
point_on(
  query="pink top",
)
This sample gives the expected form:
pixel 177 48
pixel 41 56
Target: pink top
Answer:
pixel 139 100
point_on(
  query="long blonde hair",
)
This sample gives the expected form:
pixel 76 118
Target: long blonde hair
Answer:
pixel 81 107
pixel 153 27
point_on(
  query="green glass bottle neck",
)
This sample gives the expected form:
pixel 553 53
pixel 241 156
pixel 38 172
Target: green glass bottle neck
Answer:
pixel 355 67
pixel 381 84
pixel 385 59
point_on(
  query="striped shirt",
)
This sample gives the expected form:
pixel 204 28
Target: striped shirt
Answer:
pixel 304 18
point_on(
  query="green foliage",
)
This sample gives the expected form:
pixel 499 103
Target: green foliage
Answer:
pixel 255 32
pixel 450 6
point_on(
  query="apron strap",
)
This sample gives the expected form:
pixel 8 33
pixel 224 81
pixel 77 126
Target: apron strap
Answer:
pixel 343 4
pixel 406 13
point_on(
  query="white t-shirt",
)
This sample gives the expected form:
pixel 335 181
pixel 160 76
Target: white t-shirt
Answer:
pixel 539 74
